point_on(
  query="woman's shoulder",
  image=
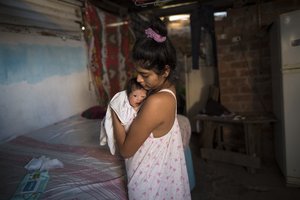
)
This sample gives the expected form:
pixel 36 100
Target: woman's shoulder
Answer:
pixel 161 99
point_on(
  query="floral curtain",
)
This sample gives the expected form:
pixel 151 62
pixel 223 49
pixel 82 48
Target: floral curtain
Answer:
pixel 107 39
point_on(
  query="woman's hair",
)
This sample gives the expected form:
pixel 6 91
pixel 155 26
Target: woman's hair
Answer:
pixel 132 85
pixel 154 50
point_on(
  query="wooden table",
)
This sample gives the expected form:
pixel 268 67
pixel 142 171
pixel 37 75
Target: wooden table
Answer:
pixel 251 126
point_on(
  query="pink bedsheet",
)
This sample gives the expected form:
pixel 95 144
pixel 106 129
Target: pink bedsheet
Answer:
pixel 89 172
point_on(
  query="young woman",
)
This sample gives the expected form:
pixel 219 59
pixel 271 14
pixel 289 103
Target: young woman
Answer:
pixel 152 147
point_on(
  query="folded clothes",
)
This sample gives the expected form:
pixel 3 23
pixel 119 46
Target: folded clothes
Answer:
pixel 43 163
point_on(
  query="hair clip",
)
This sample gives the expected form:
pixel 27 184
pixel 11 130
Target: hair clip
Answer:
pixel 155 36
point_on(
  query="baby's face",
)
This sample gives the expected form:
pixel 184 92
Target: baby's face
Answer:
pixel 136 97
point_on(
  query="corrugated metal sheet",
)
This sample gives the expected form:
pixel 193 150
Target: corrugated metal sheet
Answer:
pixel 64 16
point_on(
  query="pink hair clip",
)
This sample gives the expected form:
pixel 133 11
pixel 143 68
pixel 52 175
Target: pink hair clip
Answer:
pixel 155 36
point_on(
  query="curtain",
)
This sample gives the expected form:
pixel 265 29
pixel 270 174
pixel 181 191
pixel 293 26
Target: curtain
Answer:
pixel 107 39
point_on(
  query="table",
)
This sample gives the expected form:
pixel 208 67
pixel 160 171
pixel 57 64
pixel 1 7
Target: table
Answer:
pixel 251 125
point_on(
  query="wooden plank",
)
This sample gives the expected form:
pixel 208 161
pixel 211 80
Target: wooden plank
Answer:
pixel 230 157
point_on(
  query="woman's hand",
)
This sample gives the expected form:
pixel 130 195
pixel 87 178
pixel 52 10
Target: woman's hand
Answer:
pixel 119 130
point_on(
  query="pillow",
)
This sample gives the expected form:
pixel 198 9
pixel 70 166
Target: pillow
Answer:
pixel 95 112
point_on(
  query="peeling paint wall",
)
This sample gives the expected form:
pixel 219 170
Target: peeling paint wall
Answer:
pixel 43 79
pixel 43 65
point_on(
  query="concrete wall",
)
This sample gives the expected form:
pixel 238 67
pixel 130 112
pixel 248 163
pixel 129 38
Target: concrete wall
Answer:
pixel 194 82
pixel 43 79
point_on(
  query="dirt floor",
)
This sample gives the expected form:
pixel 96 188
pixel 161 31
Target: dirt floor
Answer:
pixel 222 181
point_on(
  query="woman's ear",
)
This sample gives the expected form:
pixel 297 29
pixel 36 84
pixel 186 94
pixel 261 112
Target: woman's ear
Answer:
pixel 167 71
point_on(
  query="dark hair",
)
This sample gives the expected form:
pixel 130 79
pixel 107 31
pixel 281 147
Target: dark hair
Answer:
pixel 153 55
pixel 132 85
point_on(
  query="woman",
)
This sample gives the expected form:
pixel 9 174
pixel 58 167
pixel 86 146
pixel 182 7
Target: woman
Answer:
pixel 152 147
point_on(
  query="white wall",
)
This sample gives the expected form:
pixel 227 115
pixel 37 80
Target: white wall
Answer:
pixel 43 79
pixel 198 82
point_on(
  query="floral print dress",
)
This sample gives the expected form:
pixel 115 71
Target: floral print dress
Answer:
pixel 158 169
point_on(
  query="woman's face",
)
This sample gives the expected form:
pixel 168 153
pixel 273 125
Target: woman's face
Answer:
pixel 149 79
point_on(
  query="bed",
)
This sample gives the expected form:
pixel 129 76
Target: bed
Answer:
pixel 89 170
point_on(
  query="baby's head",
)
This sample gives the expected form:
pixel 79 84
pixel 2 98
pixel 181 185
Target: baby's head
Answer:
pixel 135 92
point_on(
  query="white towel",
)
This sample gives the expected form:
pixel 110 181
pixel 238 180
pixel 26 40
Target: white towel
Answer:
pixel 43 163
pixel 125 112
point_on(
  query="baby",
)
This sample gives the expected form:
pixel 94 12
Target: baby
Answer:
pixel 126 105
pixel 136 93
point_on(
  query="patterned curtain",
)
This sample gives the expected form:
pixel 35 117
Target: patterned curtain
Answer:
pixel 107 39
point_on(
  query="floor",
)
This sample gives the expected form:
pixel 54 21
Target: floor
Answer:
pixel 222 181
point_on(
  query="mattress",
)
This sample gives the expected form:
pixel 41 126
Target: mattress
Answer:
pixel 89 171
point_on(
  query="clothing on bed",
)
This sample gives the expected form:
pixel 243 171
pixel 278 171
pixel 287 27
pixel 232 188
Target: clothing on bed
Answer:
pixel 125 112
pixel 158 169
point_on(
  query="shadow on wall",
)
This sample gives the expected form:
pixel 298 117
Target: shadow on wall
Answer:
pixel 198 106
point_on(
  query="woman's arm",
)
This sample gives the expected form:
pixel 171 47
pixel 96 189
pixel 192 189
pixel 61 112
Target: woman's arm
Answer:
pixel 118 128
pixel 155 116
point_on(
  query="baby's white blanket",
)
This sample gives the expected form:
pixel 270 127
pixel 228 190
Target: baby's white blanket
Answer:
pixel 125 112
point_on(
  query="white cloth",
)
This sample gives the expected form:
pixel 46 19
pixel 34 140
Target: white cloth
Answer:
pixel 125 112
pixel 43 163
